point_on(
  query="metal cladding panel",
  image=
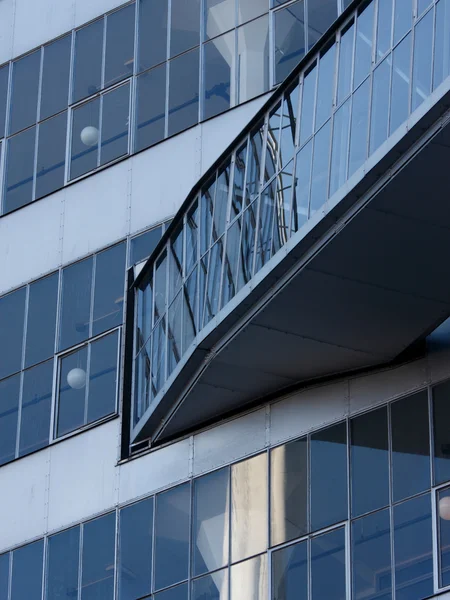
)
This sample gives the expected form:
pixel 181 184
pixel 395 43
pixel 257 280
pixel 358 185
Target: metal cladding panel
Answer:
pixel 163 468
pixel 230 441
pixel 83 475
pixel 23 499
pixel 30 242
pixel 95 212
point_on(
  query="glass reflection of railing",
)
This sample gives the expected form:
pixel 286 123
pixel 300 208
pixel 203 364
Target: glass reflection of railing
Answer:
pixel 325 121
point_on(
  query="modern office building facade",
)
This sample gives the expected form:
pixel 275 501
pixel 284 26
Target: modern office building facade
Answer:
pixel 225 357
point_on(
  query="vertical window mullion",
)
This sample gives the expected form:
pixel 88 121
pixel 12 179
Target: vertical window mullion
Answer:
pixel 86 389
pixel 19 416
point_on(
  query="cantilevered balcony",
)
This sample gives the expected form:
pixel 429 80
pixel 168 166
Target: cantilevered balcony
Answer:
pixel 318 243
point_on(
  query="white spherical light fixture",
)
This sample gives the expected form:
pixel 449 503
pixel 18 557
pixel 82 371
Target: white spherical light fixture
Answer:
pixel 76 378
pixel 89 136
pixel 444 508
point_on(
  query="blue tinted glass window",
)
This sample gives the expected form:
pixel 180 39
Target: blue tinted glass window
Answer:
pixel 329 476
pixel 413 549
pixel 76 303
pixel 384 27
pixel 321 15
pixel 443 514
pixel 403 15
pixel 72 392
pixel 307 111
pixel 51 155
pixel 288 125
pixel 109 289
pixel 27 572
pixel 143 245
pixel 62 565
pixel 339 152
pixel 102 377
pixel 211 587
pixel 219 17
pixel 441 416
pixel 371 557
pixel 88 60
pixel 253 57
pixel 36 406
pixel 325 86
pixel 345 63
pixel 98 558
pixel 41 322
pixel 250 9
pixel 183 91
pixel 423 57
pixel 119 58
pixel 422 5
pixel 359 127
pixel 12 315
pixel 4 76
pixel 300 199
pixel 85 138
pixel 441 44
pixel 321 160
pixel 152 33
pixel 184 25
pixel 211 521
pixel 55 77
pixel 369 462
pixel 328 557
pixel 400 83
pixel 115 119
pixel 289 39
pixel 24 96
pixel 4 575
pixel 248 579
pixel 380 104
pixel 363 44
pixel 172 536
pixel 19 170
pixel 180 592
pixel 151 107
pixel 290 573
pixel 135 550
pixel 9 407
pixel 218 60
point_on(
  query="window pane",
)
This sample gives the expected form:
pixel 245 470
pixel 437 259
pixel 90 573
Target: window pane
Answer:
pixel 300 201
pixel 180 592
pixel 151 107
pixel 51 155
pixel 345 63
pixel 135 551
pixel 253 59
pixel 359 128
pixel 119 59
pixel 219 17
pixel 103 378
pixel 290 573
pixel 72 392
pixel 152 33
pixel 27 572
pixel 19 170
pixel 413 549
pixel 339 153
pixel 172 536
pixel 184 25
pixel 24 94
pixel 4 575
pixel 143 245
pixel 325 86
pixel 88 60
pixel 211 587
pixel 183 93
pixel 443 515
pixel 320 17
pixel 384 27
pixel 250 9
pixel 4 76
pixel 288 125
pixel 289 491
pixel 441 45
pixel 371 557
pixel 321 160
pixel 211 521
pixel 218 68
pixel 249 579
pixel 422 5
pixel 109 289
pixel 423 58
pixel 403 16
pixel 85 138
pixel 410 446
pixel 328 566
pixel 98 558
pixel 369 462
pixel 9 406
pixel 400 84
pixel 12 314
pixel 307 112
pixel 363 47
pixel 36 406
pixel 289 39
pixel 249 507
pixel 441 417
pixel 115 119
pixel 55 77
pixel 62 565
pixel 76 303
pixel 329 476
pixel 380 104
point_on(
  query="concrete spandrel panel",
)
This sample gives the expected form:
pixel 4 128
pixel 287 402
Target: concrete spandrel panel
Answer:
pixel 86 10
pixel 159 469
pixel 30 242
pixel 97 208
pixel 308 410
pixel 377 388
pixel 83 475
pixel 230 441
pixel 218 133
pixel 162 177
pixel 40 21
pixel 23 496
pixel 6 30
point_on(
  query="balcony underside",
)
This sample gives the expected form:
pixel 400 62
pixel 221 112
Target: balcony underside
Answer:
pixel 365 283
